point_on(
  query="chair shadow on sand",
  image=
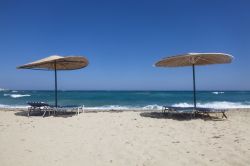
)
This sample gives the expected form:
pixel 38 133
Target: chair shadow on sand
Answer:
pixel 38 113
pixel 179 116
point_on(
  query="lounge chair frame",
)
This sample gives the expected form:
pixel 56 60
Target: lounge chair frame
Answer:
pixel 39 106
pixel 187 111
pixel 194 111
pixel 77 109
pixel 208 111
pixel 44 107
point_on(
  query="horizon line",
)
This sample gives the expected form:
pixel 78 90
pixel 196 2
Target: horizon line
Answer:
pixel 117 90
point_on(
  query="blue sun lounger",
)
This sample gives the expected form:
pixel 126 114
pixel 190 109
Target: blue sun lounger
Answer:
pixel 44 107
pixel 208 111
pixel 70 108
pixel 195 111
pixel 39 106
pixel 170 109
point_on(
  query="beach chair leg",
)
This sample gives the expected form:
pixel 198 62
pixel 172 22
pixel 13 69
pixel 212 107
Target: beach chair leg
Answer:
pixel 54 111
pixel 29 112
pixel 224 115
pixel 195 114
pixel 164 110
pixel 44 113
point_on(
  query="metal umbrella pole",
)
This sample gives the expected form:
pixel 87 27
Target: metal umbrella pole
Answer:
pixel 55 84
pixel 194 86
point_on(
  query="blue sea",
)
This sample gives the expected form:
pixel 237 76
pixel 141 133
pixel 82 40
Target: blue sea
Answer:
pixel 127 99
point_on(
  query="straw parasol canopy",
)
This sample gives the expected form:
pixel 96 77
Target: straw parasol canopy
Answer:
pixel 56 62
pixel 194 59
pixel 190 59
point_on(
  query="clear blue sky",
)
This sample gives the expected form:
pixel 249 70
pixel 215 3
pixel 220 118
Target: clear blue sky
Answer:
pixel 122 40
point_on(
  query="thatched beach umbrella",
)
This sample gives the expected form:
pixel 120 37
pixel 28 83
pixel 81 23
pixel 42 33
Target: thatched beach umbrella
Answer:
pixel 55 63
pixel 194 59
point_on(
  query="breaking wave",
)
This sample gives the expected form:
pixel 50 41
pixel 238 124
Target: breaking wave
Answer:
pixel 13 106
pixel 216 104
pixel 118 107
pixel 17 95
pixel 216 93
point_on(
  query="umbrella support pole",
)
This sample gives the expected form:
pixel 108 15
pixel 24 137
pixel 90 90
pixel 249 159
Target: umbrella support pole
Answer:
pixel 55 85
pixel 194 85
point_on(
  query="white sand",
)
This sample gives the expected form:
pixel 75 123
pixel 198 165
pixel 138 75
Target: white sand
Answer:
pixel 124 138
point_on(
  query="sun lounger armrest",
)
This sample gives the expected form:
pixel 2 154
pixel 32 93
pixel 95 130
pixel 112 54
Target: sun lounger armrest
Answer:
pixel 211 110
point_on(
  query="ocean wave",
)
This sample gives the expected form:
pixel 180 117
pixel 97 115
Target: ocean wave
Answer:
pixel 216 93
pixel 2 89
pixel 217 104
pixel 118 107
pixel 14 91
pixel 152 107
pixel 13 106
pixel 102 108
pixel 16 95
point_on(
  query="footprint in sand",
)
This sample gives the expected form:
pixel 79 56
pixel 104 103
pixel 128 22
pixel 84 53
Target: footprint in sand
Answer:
pixel 28 150
pixel 217 136
pixel 237 141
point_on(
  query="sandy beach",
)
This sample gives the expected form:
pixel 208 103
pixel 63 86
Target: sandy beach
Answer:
pixel 123 138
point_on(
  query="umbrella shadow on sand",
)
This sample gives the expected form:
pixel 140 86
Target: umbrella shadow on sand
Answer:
pixel 179 116
pixel 38 113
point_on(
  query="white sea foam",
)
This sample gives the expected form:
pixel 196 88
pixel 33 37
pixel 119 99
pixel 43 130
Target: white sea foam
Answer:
pixel 217 104
pixel 216 93
pixel 101 108
pixel 16 95
pixel 152 107
pixel 13 106
pixel 111 107
pixel 118 107
pixel 14 91
pixel 2 89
